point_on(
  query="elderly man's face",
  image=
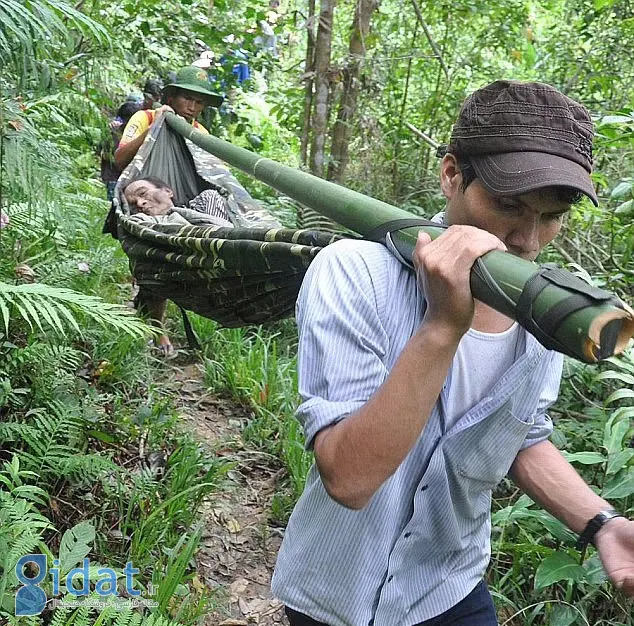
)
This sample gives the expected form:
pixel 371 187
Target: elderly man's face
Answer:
pixel 146 197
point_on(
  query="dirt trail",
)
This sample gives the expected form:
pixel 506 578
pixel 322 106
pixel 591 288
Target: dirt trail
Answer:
pixel 239 547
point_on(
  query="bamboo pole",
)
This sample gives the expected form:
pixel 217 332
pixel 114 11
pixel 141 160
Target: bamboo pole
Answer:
pixel 591 334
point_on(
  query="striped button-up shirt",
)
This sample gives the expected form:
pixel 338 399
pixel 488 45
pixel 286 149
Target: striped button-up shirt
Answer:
pixel 422 543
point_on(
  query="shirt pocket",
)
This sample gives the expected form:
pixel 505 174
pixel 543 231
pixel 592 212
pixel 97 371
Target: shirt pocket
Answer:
pixel 490 447
pixel 481 455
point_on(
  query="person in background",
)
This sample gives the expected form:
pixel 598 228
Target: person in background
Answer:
pixel 135 97
pixel 109 171
pixel 418 399
pixel 187 96
pixel 238 60
pixel 266 40
pixel 152 93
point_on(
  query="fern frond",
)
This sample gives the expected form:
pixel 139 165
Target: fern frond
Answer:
pixel 47 369
pixel 28 157
pixel 136 619
pixel 55 442
pixel 24 544
pixel 27 222
pixel 48 448
pixel 17 482
pixel 102 262
pixel 61 272
pixel 86 467
pixel 56 307
pixel 60 616
pixel 65 357
pixel 73 424
pixel 18 515
pixel 82 616
pixel 13 431
pixel 124 618
pixel 27 28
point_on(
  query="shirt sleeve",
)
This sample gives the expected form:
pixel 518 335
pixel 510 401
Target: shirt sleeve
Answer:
pixel 543 427
pixel 136 126
pixel 342 343
pixel 211 202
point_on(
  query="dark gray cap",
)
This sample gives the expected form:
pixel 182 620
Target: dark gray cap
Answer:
pixel 524 136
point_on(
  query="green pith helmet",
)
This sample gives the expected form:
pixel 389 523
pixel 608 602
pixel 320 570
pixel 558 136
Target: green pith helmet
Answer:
pixel 194 79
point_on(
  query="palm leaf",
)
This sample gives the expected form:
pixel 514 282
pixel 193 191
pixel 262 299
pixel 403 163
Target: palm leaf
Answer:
pixel 79 21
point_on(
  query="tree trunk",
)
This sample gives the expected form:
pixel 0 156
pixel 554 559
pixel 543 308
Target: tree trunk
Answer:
pixel 309 73
pixel 396 183
pixel 342 129
pixel 319 122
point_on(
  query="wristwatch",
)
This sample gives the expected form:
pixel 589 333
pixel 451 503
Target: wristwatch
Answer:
pixel 593 526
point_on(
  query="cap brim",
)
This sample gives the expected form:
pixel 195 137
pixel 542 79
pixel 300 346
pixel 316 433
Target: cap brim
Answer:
pixel 213 99
pixel 516 173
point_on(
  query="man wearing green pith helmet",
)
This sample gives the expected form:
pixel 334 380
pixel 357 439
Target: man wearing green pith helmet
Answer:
pixel 187 96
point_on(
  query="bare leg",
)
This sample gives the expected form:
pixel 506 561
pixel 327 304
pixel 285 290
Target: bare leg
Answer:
pixel 154 307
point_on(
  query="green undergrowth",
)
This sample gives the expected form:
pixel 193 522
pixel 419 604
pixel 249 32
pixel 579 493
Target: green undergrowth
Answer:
pixel 258 367
pixel 94 460
pixel 90 443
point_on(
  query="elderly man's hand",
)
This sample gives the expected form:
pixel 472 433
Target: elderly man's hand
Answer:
pixel 615 543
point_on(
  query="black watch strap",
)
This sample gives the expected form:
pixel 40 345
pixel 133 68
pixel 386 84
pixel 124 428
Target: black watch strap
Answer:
pixel 593 526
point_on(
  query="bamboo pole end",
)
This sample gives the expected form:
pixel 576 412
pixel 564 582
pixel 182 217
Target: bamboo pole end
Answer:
pixel 610 333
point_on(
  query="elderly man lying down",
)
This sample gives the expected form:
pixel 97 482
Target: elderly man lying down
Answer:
pixel 152 197
pixel 151 200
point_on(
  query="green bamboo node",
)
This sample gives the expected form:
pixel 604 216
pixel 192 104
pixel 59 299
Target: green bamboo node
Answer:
pixel 599 329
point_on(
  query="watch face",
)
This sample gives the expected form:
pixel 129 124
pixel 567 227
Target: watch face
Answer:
pixel 604 516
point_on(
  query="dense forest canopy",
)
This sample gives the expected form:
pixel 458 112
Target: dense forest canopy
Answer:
pixel 360 92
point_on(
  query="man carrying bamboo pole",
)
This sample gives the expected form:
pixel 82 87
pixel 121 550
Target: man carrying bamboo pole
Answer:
pixel 418 399
pixel 187 96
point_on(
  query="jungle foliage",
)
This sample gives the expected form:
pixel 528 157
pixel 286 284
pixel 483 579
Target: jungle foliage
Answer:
pixel 91 450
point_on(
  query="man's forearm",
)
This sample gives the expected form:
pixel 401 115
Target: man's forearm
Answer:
pixel 358 454
pixel 125 153
pixel 543 473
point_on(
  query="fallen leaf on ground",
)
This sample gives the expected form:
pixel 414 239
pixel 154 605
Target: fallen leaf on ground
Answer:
pixel 238 588
pixel 232 525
